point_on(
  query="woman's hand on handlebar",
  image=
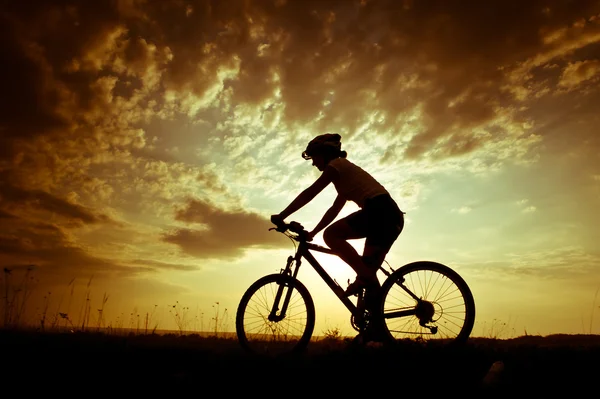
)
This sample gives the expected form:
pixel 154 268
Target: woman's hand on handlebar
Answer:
pixel 295 227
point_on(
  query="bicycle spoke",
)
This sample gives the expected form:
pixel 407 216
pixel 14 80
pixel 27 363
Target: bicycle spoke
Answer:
pixel 443 293
pixel 445 299
pixel 432 284
pixel 403 301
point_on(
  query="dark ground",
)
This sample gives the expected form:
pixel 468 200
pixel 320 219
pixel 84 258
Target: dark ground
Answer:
pixel 97 364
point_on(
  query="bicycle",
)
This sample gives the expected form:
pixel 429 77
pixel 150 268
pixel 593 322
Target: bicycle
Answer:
pixel 276 314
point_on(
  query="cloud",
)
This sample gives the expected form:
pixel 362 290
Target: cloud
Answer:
pixel 27 84
pixel 525 206
pixel 321 65
pixel 569 263
pixel 562 263
pixel 53 251
pixel 462 210
pixel 18 199
pixel 163 265
pixel 576 73
pixel 221 233
pixel 6 215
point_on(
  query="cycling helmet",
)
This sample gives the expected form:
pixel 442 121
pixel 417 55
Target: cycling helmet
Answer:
pixel 322 143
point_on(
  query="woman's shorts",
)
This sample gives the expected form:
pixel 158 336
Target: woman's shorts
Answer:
pixel 380 221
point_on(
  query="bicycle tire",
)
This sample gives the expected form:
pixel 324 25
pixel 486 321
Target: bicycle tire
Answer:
pixel 451 330
pixel 273 338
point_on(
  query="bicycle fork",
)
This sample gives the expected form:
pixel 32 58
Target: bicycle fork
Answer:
pixel 285 282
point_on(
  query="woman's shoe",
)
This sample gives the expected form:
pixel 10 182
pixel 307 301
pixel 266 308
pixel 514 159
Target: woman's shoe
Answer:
pixel 361 283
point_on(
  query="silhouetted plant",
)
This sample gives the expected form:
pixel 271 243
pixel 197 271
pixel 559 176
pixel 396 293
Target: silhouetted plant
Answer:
pixel 180 315
pixel 594 308
pixel 221 321
pixel 45 312
pixel 332 334
pixel 498 329
pixel 101 313
pixel 149 319
pixel 57 315
pixel 86 307
pixel 15 297
pixel 65 316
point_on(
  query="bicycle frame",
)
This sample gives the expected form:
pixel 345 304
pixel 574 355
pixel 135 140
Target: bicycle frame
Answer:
pixel 303 251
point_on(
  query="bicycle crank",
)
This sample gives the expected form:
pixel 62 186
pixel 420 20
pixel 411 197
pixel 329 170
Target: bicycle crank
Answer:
pixel 358 319
pixel 357 323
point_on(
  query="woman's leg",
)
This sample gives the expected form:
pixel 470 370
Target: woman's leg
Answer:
pixel 374 255
pixel 336 237
pixel 385 223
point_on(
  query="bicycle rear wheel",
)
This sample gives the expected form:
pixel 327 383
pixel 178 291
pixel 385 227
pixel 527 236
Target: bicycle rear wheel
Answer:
pixel 428 302
pixel 261 326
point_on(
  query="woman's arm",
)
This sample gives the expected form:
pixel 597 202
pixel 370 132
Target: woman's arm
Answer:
pixel 331 214
pixel 311 192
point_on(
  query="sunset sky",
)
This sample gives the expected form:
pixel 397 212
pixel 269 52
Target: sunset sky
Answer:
pixel 145 144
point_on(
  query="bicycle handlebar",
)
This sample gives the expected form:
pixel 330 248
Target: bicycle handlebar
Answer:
pixel 294 227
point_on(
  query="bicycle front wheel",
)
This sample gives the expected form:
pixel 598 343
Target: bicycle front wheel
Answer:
pixel 276 316
pixel 427 302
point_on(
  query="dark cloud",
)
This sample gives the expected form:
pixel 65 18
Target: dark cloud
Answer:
pixel 164 265
pixel 52 251
pixel 358 56
pixel 6 215
pixel 25 106
pixel 221 234
pixel 17 198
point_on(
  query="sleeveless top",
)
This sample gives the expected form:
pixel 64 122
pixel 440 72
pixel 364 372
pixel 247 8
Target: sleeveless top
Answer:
pixel 355 184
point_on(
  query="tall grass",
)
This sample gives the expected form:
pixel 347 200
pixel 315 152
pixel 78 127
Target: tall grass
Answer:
pixel 51 315
pixel 498 329
pixel 58 315
pixel 100 323
pixel 180 316
pixel 594 309
pixel 220 320
pixel 15 296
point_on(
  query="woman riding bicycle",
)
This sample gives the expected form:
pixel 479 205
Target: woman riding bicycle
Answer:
pixel 379 220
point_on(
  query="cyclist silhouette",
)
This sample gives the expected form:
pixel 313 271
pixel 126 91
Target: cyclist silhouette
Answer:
pixel 379 220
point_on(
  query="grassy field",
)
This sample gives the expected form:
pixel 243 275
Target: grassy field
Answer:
pixel 86 363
